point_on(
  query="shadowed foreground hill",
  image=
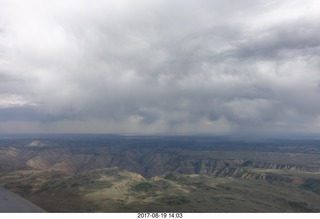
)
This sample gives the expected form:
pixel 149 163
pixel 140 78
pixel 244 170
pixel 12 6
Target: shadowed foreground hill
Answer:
pixel 163 174
pixel 114 190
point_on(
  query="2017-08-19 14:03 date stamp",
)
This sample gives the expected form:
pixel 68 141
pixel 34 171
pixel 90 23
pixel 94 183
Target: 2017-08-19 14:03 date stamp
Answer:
pixel 159 215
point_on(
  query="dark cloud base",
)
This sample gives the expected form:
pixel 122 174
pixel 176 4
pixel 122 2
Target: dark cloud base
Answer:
pixel 160 67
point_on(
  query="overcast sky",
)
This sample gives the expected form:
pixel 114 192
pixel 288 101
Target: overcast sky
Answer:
pixel 160 66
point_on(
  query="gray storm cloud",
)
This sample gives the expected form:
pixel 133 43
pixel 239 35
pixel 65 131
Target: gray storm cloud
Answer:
pixel 159 66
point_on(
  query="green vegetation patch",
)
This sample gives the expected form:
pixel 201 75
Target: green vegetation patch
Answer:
pixel 174 200
pixel 145 187
pixel 301 206
pixel 312 184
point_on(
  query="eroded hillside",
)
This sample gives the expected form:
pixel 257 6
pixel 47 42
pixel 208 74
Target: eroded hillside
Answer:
pixel 162 175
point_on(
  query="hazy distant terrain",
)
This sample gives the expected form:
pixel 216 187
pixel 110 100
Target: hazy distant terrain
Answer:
pixel 106 173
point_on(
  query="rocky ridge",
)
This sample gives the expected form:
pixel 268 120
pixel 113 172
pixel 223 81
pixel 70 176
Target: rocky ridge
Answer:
pixel 146 162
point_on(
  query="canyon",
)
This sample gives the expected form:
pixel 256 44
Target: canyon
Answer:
pixel 134 173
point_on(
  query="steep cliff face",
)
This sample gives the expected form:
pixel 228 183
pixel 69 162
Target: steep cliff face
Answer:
pixel 236 169
pixel 146 162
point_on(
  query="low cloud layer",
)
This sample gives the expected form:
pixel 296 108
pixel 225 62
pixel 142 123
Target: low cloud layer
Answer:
pixel 159 66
